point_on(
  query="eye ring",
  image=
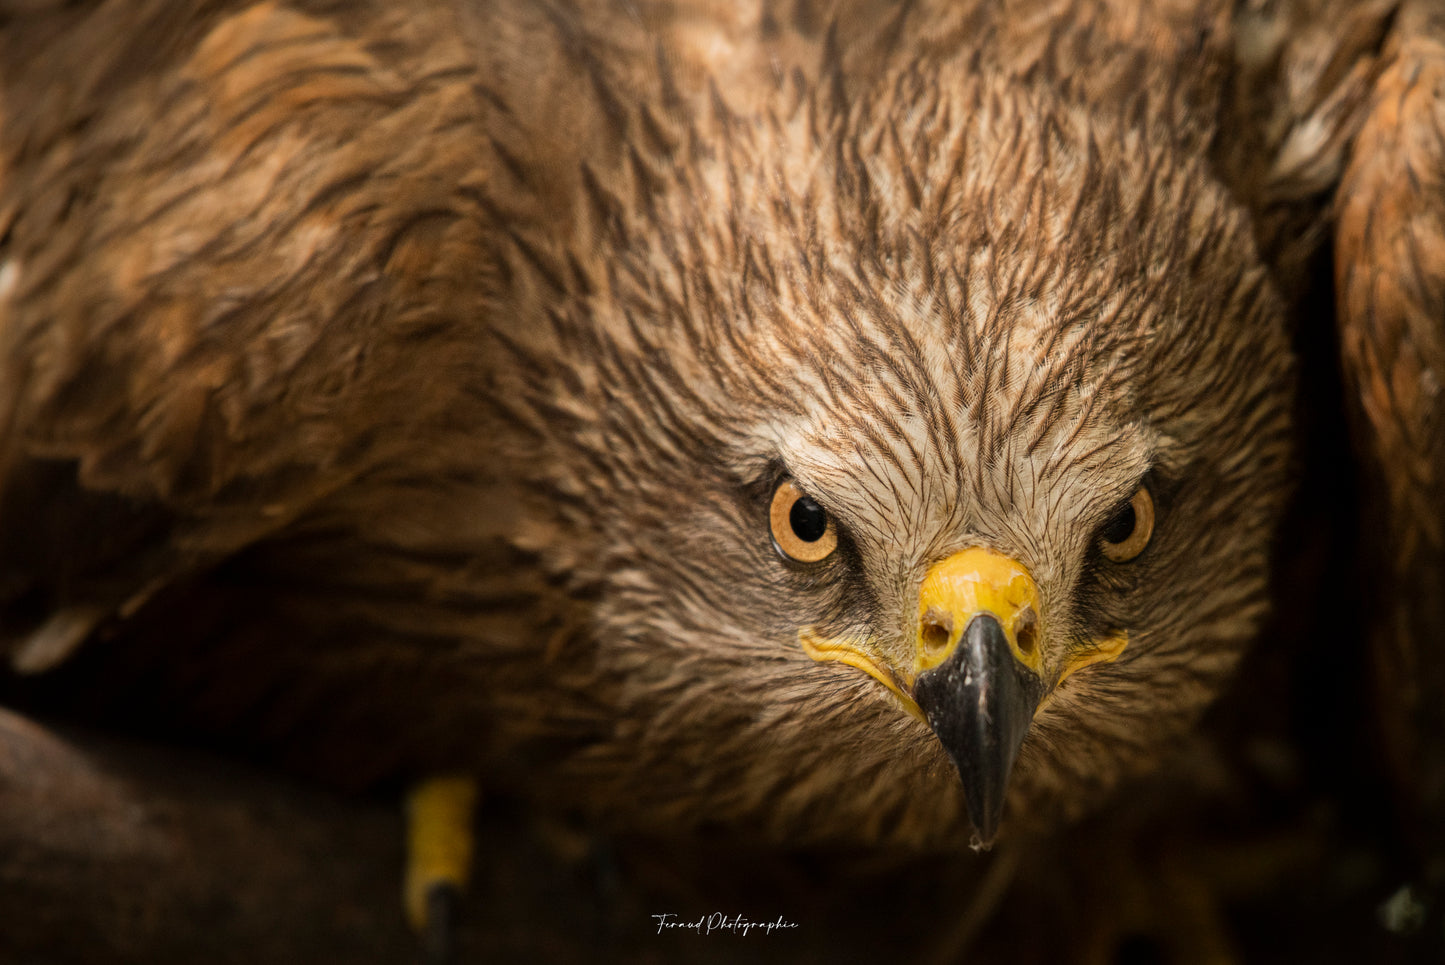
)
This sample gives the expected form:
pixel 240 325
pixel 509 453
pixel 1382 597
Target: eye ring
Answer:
pixel 1129 530
pixel 802 530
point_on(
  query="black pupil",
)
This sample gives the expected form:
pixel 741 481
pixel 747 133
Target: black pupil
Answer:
pixel 808 520
pixel 1121 527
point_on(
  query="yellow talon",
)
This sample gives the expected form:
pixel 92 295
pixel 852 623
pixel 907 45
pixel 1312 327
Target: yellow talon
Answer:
pixel 439 842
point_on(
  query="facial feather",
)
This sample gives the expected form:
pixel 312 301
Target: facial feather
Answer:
pixel 982 320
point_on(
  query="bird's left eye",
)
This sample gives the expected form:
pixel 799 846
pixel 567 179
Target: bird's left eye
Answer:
pixel 802 530
pixel 1128 531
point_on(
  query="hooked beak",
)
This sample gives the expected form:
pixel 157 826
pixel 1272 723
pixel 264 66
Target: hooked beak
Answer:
pixel 979 671
pixel 977 675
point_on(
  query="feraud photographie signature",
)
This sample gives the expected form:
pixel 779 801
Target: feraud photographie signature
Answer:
pixel 719 922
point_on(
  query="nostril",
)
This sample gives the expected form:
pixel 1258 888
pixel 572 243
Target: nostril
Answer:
pixel 1026 631
pixel 936 629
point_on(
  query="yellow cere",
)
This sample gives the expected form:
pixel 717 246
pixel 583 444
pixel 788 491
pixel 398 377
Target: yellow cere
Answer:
pixel 966 584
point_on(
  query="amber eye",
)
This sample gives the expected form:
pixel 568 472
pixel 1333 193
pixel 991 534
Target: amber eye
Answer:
pixel 802 530
pixel 1127 532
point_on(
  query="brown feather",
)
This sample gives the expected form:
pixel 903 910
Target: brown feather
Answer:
pixel 1390 276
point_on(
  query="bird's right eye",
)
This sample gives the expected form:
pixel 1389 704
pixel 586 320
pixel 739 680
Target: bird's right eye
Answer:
pixel 802 530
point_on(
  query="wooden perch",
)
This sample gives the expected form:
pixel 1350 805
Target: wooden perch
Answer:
pixel 114 852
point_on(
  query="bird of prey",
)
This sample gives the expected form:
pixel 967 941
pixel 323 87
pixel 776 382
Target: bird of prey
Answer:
pixel 839 421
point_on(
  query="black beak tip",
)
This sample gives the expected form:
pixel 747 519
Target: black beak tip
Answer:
pixel 985 824
pixel 980 702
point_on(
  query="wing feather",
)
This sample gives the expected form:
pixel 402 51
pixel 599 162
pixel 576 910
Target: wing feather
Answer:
pixel 1390 287
pixel 220 239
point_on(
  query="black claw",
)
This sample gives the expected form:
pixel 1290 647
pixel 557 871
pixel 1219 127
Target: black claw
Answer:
pixel 443 901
